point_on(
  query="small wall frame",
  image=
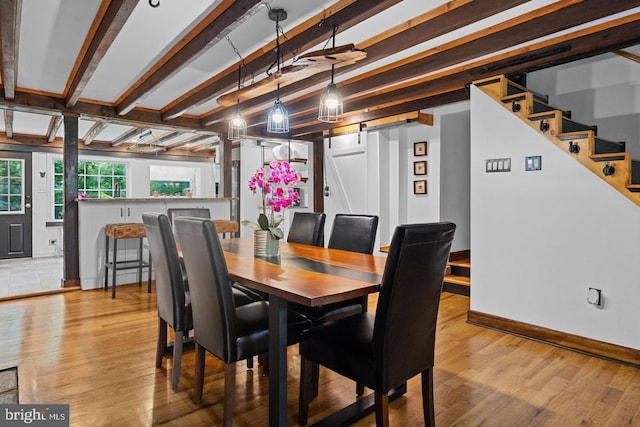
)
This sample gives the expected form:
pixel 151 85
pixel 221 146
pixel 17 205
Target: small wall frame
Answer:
pixel 420 148
pixel 420 167
pixel 420 186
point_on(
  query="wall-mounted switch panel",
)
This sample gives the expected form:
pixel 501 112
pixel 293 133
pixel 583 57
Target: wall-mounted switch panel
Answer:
pixel 533 163
pixel 498 165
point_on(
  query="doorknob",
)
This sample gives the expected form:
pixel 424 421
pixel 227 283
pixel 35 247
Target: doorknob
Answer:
pixel 27 205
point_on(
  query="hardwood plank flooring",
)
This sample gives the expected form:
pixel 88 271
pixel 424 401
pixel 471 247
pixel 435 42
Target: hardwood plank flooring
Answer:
pixel 97 354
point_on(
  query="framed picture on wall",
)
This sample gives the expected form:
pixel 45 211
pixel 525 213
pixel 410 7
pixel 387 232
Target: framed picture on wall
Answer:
pixel 420 148
pixel 420 168
pixel 420 187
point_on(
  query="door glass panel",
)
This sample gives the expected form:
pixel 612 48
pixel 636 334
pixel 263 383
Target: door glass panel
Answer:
pixel 11 186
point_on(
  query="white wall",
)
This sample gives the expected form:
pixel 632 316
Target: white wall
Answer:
pixel 602 91
pixel 540 239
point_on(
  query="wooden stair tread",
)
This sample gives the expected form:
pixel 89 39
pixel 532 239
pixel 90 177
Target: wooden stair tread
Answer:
pixel 607 157
pixel 461 263
pixel 458 280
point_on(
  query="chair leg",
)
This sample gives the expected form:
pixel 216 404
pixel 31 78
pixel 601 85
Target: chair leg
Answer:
pixel 199 374
pixel 229 390
pixel 427 398
pixel 382 409
pixel 177 359
pixel 315 377
pixel 250 362
pixel 162 341
pixel 263 360
pixel 306 389
pixel 364 301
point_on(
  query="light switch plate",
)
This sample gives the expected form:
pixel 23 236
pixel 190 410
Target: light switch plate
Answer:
pixel 533 163
pixel 498 165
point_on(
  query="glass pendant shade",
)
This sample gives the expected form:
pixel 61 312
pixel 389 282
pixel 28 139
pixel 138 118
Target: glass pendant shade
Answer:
pixel 331 105
pixel 278 118
pixel 237 127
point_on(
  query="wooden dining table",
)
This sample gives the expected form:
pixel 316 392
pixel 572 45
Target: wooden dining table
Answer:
pixel 302 274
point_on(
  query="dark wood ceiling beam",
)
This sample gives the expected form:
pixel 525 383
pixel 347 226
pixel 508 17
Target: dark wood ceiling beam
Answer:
pixel 194 139
pixel 114 18
pixel 354 13
pixel 225 21
pixel 536 24
pixel 10 11
pixel 94 131
pixel 54 125
pixel 426 102
pixel 126 136
pixel 51 105
pixel 436 22
pixel 8 123
pixel 589 42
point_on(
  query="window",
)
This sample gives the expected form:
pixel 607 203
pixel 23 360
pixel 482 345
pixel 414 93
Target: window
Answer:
pixel 170 188
pixel 11 190
pixel 95 179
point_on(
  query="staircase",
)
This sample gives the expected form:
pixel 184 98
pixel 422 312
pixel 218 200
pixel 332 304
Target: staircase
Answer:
pixel 457 279
pixel 607 159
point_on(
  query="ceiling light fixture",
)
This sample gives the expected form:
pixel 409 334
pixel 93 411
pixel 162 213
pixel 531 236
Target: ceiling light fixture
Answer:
pixel 331 103
pixel 238 125
pixel 278 117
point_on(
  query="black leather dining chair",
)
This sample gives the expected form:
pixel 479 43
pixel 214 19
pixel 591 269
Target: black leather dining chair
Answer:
pixel 174 302
pixel 228 332
pixel 355 233
pixel 174 213
pixel 384 351
pixel 307 228
pixel 172 290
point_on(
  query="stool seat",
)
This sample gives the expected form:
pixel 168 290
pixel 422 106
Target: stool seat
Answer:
pixel 131 230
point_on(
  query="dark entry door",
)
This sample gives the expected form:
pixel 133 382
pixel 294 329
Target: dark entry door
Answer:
pixel 15 205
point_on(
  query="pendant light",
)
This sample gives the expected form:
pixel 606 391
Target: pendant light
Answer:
pixel 237 125
pixel 278 118
pixel 331 103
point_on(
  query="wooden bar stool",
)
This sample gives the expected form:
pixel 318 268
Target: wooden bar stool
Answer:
pixel 224 226
pixel 116 232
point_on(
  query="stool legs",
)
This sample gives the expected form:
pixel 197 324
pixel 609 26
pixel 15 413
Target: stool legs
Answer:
pixel 115 268
pixel 106 264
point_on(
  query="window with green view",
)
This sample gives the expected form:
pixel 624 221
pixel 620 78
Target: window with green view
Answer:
pixel 11 190
pixel 96 180
pixel 169 188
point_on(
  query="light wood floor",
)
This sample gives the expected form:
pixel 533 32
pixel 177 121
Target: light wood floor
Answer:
pixel 97 354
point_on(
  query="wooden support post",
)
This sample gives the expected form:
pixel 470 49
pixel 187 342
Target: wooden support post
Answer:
pixel 71 272
pixel 318 175
pixel 226 167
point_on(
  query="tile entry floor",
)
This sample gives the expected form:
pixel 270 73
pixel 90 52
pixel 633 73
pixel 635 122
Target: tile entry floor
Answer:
pixel 28 275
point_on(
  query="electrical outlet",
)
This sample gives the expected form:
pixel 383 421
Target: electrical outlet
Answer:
pixel 52 242
pixel 594 296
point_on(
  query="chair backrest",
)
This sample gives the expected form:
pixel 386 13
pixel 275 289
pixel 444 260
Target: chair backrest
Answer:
pixel 405 323
pixel 214 317
pixel 174 213
pixel 307 228
pixel 355 233
pixel 170 289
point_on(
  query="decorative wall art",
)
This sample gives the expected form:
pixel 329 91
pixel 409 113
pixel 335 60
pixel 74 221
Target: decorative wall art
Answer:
pixel 420 187
pixel 420 168
pixel 420 148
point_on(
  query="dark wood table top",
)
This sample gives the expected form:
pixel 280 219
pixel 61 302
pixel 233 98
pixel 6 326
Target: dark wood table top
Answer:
pixel 304 274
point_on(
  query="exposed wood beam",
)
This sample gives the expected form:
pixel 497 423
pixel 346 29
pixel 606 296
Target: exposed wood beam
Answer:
pixel 10 11
pixel 167 137
pixel 436 22
pixel 94 132
pixel 587 42
pixel 8 123
pixel 628 55
pixel 126 136
pixel 51 105
pixel 226 17
pixel 206 146
pixel 418 104
pixel 54 125
pixel 108 28
pixel 319 28
pixel 539 23
pixel 194 139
